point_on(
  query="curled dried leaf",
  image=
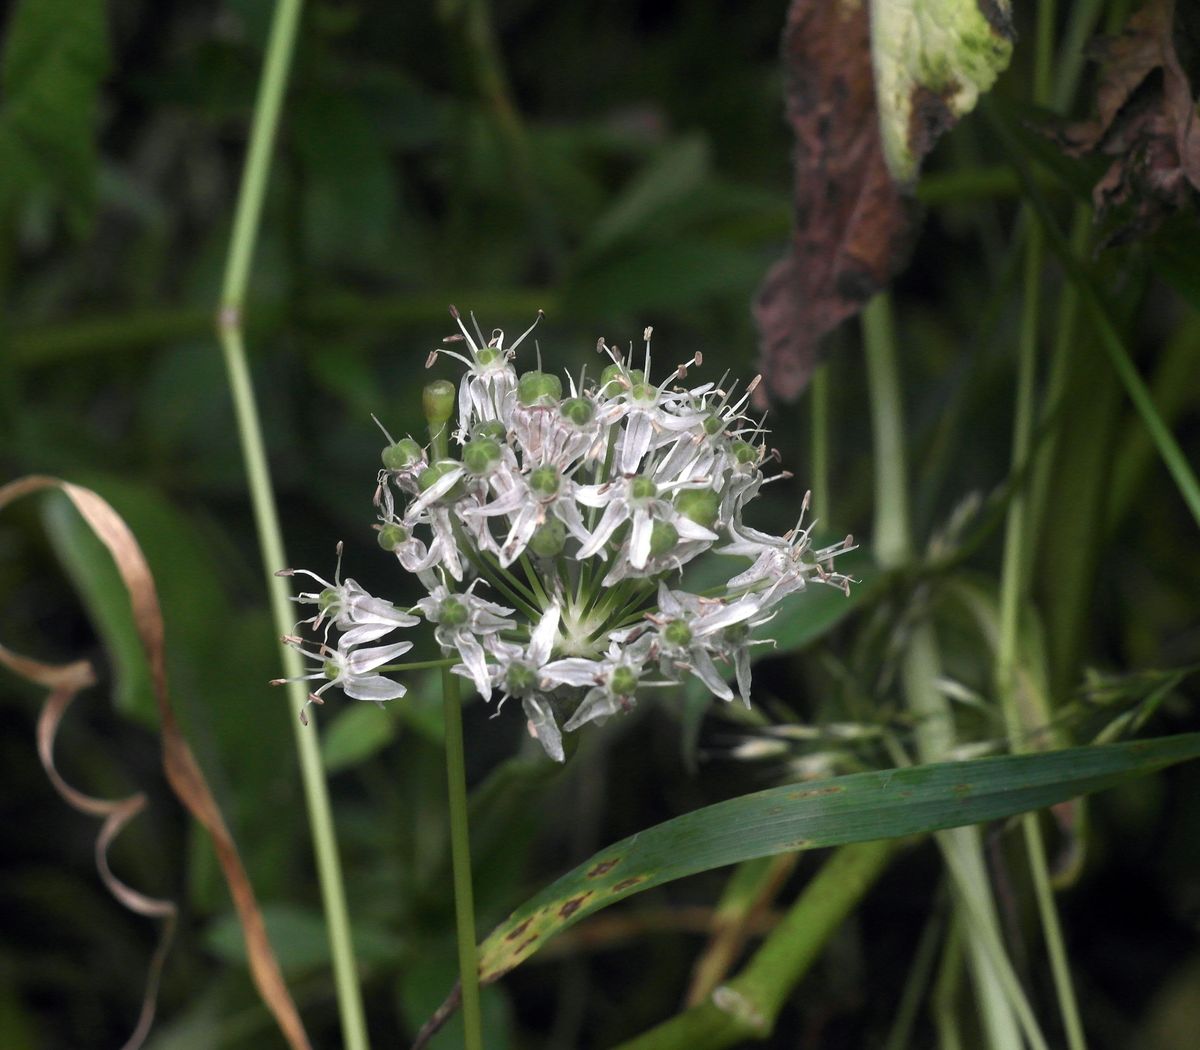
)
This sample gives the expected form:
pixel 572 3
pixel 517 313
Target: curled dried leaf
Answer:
pixel 1146 121
pixel 64 682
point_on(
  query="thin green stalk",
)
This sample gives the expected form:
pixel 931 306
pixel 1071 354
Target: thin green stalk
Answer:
pixel 961 848
pixel 747 1006
pixel 1014 571
pixel 1168 448
pixel 819 472
pixel 229 329
pixel 460 852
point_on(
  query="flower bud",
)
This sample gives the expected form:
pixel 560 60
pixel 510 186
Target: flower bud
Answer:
pixel 404 453
pixel 642 487
pixel 453 612
pixel 623 681
pixel 544 482
pixel 538 387
pixel 699 505
pixel 578 410
pixel 663 537
pixel 437 399
pixel 432 474
pixel 519 679
pixel 548 541
pixel 677 634
pixel 490 428
pixel 480 455
pixel 392 536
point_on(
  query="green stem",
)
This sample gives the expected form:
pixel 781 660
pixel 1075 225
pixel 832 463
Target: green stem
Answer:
pixel 1014 571
pixel 747 1007
pixel 819 473
pixel 460 851
pixel 961 848
pixel 1168 448
pixel 229 329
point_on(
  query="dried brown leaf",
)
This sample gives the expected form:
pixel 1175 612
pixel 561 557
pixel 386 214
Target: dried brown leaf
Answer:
pixel 853 225
pixel 1146 120
pixel 64 682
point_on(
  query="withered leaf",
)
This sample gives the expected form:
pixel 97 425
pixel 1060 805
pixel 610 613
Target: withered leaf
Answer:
pixel 1146 120
pixel 183 773
pixel 854 222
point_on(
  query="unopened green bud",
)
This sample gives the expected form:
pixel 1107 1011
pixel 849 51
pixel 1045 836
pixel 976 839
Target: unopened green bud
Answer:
pixel 404 453
pixel 549 539
pixel 579 410
pixel 536 387
pixel 623 681
pixel 453 612
pixel 677 634
pixel 480 455
pixel 391 536
pixel 663 537
pixel 437 399
pixel 544 481
pixel 699 505
pixel 641 487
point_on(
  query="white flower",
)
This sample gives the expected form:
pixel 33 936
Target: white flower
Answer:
pixel 489 379
pixel 349 608
pixel 464 619
pixel 612 681
pixel 517 673
pixel 350 670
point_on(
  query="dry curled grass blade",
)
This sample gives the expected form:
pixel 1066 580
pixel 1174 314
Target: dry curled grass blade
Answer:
pixel 64 682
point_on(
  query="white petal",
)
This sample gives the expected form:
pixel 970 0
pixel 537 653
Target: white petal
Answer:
pixel 361 661
pixel 373 687
pixel 615 513
pixel 574 670
pixel 639 540
pixel 472 654
pixel 541 642
pixel 706 671
pixel 543 727
pixel 635 442
pixel 596 707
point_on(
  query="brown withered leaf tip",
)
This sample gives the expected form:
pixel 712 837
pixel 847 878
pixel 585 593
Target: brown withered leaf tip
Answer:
pixel 853 225
pixel 1146 120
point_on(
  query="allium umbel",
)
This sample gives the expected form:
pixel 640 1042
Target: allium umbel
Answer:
pixel 574 503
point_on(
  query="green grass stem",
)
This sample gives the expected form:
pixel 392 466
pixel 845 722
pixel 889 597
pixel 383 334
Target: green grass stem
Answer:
pixel 921 668
pixel 460 851
pixel 272 87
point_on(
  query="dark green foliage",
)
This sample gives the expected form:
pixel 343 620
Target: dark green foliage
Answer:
pixel 641 177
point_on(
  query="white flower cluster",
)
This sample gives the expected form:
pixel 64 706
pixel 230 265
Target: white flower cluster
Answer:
pixel 576 508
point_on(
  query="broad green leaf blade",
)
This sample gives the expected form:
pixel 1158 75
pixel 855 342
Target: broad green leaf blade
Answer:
pixel 855 808
pixel 933 59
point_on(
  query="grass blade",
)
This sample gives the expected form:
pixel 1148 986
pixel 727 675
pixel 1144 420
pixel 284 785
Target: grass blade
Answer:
pixel 855 808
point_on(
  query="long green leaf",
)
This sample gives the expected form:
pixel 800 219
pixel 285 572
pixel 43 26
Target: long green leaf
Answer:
pixel 855 808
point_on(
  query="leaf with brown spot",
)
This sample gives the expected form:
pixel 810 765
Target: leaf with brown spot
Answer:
pixel 1146 120
pixel 183 774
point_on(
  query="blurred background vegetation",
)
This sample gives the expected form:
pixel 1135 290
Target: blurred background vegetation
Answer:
pixel 616 165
